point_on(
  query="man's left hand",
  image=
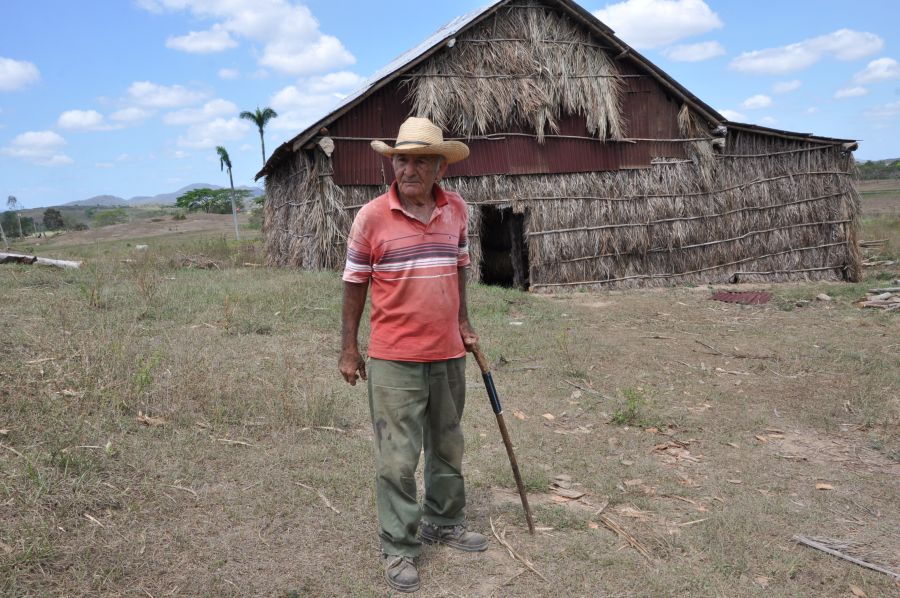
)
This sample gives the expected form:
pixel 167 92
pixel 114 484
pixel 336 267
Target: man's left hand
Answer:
pixel 468 334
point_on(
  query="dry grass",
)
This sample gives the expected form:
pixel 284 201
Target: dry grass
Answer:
pixel 525 67
pixel 239 365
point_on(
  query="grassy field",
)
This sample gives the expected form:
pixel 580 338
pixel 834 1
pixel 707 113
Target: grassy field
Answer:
pixel 171 430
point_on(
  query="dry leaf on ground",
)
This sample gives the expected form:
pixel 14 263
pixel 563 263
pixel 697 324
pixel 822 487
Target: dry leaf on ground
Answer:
pixel 567 494
pixel 549 416
pixel 824 486
pixel 762 581
pixel 857 591
pixel 519 415
pixel 153 422
pixel 629 511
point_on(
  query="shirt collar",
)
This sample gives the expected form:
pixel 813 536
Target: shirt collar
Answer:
pixel 440 197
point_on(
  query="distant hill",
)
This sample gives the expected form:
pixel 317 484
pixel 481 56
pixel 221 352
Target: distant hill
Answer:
pixel 163 199
pixel 879 169
pixel 107 201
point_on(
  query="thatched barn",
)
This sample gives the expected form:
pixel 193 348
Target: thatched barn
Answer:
pixel 589 167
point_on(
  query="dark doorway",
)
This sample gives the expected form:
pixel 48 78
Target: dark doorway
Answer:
pixel 504 255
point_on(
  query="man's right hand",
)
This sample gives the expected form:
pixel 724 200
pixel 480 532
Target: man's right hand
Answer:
pixel 350 363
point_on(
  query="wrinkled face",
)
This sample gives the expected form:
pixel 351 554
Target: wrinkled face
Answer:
pixel 416 174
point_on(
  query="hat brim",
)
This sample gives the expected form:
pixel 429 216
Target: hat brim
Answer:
pixel 452 151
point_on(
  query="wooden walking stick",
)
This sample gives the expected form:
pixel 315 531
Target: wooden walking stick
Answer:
pixel 498 411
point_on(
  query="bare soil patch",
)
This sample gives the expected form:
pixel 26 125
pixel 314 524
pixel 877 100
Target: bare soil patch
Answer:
pixel 175 431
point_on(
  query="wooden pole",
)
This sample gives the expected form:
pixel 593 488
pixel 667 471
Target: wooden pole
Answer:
pixel 498 411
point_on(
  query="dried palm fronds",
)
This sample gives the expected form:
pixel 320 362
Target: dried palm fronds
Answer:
pixel 305 223
pixel 527 66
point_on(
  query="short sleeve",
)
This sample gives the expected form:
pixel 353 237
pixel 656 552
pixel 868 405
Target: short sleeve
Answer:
pixel 358 268
pixel 462 259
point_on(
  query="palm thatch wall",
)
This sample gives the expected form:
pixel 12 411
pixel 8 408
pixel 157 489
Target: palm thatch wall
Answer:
pixel 755 206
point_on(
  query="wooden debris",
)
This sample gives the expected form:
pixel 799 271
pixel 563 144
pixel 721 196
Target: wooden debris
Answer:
pixel 12 450
pixel 887 299
pixel 321 495
pixel 93 520
pixel 615 527
pixel 234 442
pixel 18 258
pixel 183 489
pixel 824 486
pixel 828 550
pixel 325 429
pixel 503 542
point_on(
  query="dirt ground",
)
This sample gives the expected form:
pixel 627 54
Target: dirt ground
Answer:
pixel 168 431
pixel 880 197
pixel 144 229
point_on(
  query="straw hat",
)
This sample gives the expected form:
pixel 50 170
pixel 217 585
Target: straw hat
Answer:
pixel 419 137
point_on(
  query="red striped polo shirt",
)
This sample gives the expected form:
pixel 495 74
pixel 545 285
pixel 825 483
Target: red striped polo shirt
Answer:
pixel 413 271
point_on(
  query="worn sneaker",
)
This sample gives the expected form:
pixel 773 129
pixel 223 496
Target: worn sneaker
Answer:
pixel 454 536
pixel 400 573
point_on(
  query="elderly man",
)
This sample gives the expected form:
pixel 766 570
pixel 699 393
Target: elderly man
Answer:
pixel 411 244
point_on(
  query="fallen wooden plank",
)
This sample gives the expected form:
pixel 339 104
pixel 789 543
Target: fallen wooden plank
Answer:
pixel 18 258
pixel 886 290
pixel 819 546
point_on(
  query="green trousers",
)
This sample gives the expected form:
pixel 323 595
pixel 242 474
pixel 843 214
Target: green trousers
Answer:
pixel 416 405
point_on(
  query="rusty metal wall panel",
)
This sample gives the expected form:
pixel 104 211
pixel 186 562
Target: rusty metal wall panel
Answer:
pixel 650 114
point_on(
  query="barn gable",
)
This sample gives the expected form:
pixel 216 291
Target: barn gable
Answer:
pixel 589 165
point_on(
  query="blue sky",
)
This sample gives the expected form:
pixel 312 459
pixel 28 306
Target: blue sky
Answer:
pixel 130 97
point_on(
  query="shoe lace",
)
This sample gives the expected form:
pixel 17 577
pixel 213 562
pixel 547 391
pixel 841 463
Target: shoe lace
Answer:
pixel 399 561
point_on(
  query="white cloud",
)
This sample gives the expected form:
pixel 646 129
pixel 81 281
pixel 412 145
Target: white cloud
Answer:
pixel 786 86
pixel 148 94
pixel 298 108
pixel 878 70
pixel 203 42
pixel 768 120
pixel 17 74
pixel 850 92
pixel 57 160
pixel 289 34
pixel 300 105
pixel 694 52
pixel 733 115
pixel 655 23
pixel 130 115
pixel 84 120
pixel 888 111
pixel 756 102
pixel 215 132
pixel 209 111
pixel 332 82
pixel 38 147
pixel 229 74
pixel 844 44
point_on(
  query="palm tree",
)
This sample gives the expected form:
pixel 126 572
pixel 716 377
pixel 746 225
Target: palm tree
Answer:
pixel 225 161
pixel 13 204
pixel 261 118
